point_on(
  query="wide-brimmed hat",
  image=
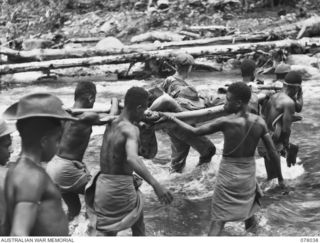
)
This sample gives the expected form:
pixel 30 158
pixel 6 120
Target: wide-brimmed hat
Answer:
pixel 5 129
pixel 184 59
pixel 37 105
pixel 282 68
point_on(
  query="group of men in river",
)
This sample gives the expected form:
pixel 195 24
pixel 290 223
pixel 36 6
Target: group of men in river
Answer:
pixel 31 193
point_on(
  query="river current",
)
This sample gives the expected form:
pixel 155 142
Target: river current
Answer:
pixel 295 212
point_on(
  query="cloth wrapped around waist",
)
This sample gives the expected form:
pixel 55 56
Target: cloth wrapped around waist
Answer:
pixel 69 175
pixel 236 194
pixel 117 204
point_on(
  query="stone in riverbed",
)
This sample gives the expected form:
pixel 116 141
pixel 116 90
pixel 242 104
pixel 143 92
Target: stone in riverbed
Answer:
pixel 109 42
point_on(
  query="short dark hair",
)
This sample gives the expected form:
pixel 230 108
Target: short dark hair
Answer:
pixel 241 91
pixel 33 129
pixel 135 96
pixel 293 77
pixel 84 89
pixel 247 68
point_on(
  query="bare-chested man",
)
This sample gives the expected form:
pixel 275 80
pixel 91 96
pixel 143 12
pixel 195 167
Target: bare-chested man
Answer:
pixel 67 169
pixel 278 114
pixel 235 197
pixel 117 204
pixel 33 202
pixel 248 73
pixel 5 151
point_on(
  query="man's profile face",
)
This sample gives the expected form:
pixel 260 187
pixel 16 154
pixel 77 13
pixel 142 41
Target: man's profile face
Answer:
pixel 232 105
pixel 50 144
pixel 141 109
pixel 5 149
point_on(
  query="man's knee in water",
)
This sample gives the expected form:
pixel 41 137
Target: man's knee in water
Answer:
pixel 73 203
pixel 206 158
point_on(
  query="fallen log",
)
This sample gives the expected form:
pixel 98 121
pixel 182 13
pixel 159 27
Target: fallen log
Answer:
pixel 85 40
pixel 52 54
pixel 206 28
pixel 190 34
pixel 217 50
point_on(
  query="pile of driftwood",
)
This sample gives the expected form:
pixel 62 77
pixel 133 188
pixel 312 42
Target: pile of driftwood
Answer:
pixel 230 46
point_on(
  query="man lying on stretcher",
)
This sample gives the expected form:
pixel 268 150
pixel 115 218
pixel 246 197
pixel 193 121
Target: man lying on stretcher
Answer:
pixel 178 95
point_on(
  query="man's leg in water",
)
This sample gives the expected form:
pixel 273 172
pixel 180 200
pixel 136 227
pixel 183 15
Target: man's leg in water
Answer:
pixel 179 153
pixel 215 228
pixel 138 229
pixel 201 144
pixel 251 224
pixel 72 200
pixel 73 203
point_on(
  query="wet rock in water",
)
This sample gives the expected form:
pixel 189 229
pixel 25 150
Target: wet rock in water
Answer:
pixel 109 42
pixel 26 77
pixel 30 44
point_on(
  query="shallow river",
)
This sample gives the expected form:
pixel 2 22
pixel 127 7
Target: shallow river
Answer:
pixel 292 213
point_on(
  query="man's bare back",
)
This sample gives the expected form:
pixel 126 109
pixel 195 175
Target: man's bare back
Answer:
pixel 74 141
pixel 242 134
pixel 113 150
pixel 40 192
pixel 278 104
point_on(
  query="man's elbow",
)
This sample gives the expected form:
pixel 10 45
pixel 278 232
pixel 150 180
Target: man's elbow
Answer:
pixel 132 159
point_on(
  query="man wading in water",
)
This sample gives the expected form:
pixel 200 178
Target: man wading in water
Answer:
pixel 236 194
pixel 67 169
pixel 33 201
pixel 118 205
pixel 278 114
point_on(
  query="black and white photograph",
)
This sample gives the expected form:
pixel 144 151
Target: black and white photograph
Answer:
pixel 159 118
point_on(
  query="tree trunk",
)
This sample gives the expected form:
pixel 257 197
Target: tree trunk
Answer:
pixel 228 50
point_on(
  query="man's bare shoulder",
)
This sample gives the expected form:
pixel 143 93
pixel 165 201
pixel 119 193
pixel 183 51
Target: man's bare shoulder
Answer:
pixel 283 100
pixel 127 128
pixel 258 119
pixel 21 173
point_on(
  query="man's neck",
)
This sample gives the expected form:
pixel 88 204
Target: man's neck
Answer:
pixel 31 154
pixel 286 91
pixel 243 112
pixel 80 104
pixel 180 75
pixel 126 115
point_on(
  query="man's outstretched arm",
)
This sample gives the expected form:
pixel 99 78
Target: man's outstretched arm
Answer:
pixel 133 159
pixel 212 127
pixel 272 152
pixel 289 109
